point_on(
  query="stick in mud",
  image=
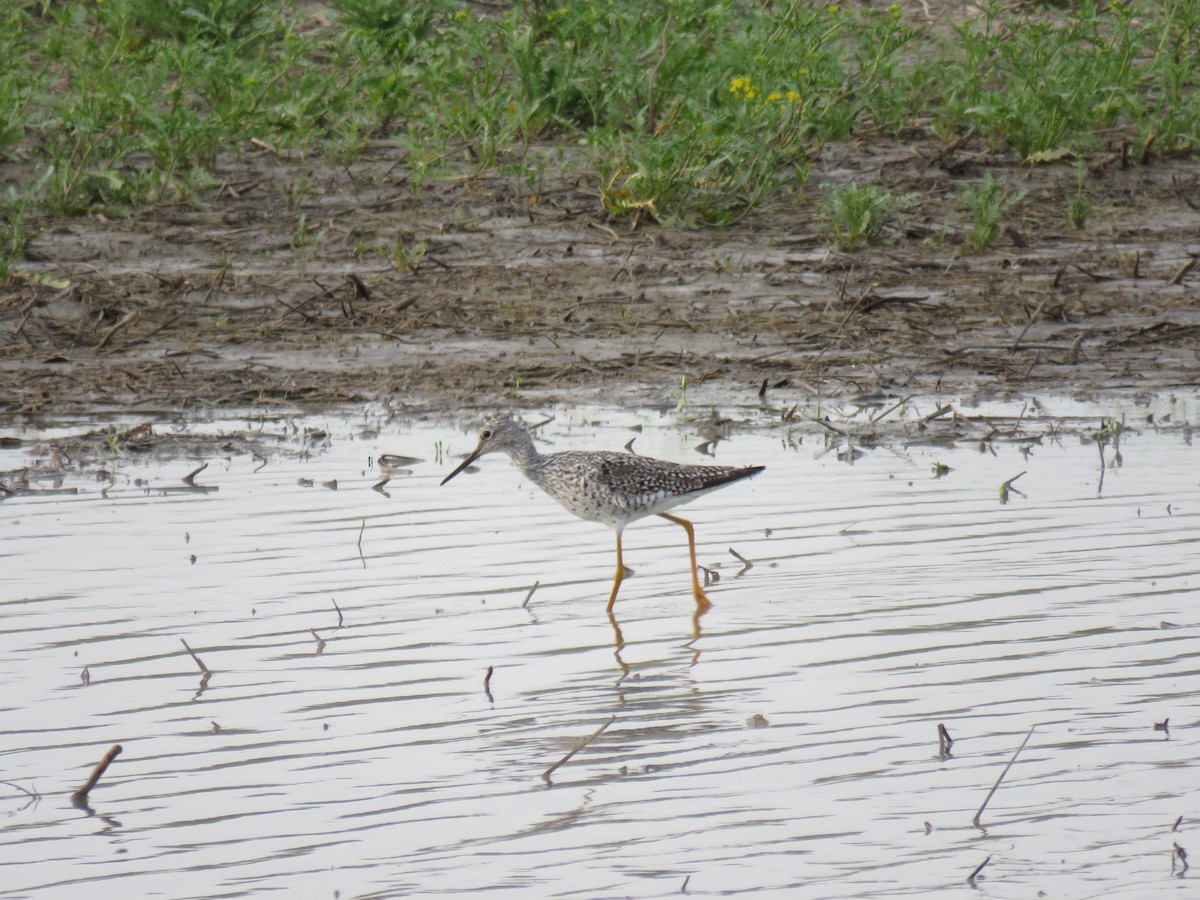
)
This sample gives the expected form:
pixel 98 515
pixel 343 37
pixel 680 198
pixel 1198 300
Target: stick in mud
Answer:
pixel 587 740
pixel 79 798
pixel 203 667
pixel 978 869
pixel 988 798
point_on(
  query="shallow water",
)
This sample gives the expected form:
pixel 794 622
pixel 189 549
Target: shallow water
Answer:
pixel 366 759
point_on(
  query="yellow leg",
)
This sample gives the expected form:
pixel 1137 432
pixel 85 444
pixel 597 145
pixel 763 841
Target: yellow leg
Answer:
pixel 702 601
pixel 619 577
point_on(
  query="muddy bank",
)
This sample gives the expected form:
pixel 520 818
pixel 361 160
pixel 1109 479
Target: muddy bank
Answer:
pixel 302 283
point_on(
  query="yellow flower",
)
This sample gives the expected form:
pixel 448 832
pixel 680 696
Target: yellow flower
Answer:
pixel 791 97
pixel 744 89
pixel 894 9
pixel 774 98
pixel 833 10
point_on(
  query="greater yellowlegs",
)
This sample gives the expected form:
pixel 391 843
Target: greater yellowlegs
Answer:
pixel 613 488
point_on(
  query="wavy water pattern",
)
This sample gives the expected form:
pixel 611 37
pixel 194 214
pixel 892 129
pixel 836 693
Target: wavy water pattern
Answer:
pixel 366 759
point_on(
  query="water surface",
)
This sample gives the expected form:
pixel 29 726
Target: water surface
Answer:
pixel 784 744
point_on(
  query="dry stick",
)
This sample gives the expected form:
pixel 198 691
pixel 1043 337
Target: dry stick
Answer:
pixel 595 734
pixel 1009 484
pixel 1001 778
pixel 525 602
pixel 937 414
pixel 746 564
pixel 203 667
pixel 978 869
pixel 190 477
pixel 1177 278
pixel 891 409
pixel 79 798
pixel 944 737
pixel 1037 312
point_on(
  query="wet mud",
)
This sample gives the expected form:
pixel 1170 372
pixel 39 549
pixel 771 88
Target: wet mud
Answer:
pixel 302 283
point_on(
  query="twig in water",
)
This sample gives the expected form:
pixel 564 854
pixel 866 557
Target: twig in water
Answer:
pixel 1008 486
pixel 320 641
pixel 190 477
pixel 945 742
pixel 587 740
pixel 195 658
pixel 683 887
pixel 487 681
pixel 360 534
pixel 525 602
pixel 746 564
pixel 1001 778
pixel 1178 822
pixel 339 611
pixel 1180 854
pixel 899 403
pixel 978 869
pixel 79 798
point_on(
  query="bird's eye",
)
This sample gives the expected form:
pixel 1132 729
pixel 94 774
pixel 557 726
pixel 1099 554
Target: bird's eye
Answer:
pixel 486 433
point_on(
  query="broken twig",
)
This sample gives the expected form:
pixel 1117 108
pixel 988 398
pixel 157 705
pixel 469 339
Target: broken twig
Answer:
pixel 195 658
pixel 587 740
pixel 79 798
pixel 1001 778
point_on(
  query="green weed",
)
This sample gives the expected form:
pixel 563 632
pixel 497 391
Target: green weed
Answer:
pixel 988 204
pixel 857 215
pixel 1079 206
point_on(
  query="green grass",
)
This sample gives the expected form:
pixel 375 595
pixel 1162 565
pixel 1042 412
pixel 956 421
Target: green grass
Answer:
pixel 683 112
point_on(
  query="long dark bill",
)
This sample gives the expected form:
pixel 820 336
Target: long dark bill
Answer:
pixel 466 462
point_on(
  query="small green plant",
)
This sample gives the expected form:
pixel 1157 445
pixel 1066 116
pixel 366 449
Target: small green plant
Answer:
pixel 14 233
pixel 405 257
pixel 1079 207
pixel 988 203
pixel 681 395
pixel 940 470
pixel 857 215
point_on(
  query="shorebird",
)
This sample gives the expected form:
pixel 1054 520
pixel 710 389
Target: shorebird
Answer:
pixel 609 487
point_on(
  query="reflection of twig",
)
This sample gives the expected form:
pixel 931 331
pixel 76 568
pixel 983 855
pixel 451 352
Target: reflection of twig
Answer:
pixel 595 734
pixel 79 798
pixel 746 564
pixel 360 537
pixel 34 796
pixel 1001 778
